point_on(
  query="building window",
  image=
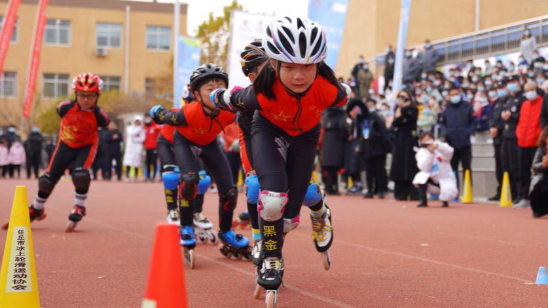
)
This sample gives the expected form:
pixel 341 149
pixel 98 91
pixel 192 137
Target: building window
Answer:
pixel 111 83
pixel 57 32
pixel 56 85
pixel 109 35
pixel 14 33
pixel 158 38
pixel 8 84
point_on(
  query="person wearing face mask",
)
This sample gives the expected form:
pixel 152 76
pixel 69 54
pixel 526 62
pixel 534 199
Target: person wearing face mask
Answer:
pixel 484 111
pixel 404 164
pixel 541 82
pixel 429 58
pixel 11 135
pixel 364 80
pixel 135 137
pixel 389 61
pixel 355 70
pixel 498 97
pixel 459 124
pixel 152 130
pixel 411 67
pixel 527 133
pixel 335 134
pixel 35 141
pixel 528 45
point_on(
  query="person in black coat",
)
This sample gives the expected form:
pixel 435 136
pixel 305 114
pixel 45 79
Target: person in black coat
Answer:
pixel 459 123
pixel 539 183
pixel 335 135
pixel 389 62
pixel 404 165
pixel 353 165
pixel 113 145
pixel 496 127
pixel 34 144
pixel 100 161
pixel 373 147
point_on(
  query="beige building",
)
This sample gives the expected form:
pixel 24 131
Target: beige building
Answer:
pixel 371 25
pixel 126 43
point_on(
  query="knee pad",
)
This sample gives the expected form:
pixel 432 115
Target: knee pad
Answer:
pixel 170 176
pixel 189 186
pixel 45 185
pixel 291 224
pixel 252 188
pixel 203 184
pixel 229 199
pixel 313 195
pixel 271 205
pixel 81 179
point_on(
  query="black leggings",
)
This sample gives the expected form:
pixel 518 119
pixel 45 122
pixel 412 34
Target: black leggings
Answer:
pixel 283 164
pixel 150 163
pixel 65 157
pixel 33 163
pixel 376 174
pixel 217 165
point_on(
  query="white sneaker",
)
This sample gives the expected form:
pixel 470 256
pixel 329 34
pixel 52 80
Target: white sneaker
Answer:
pixel 523 204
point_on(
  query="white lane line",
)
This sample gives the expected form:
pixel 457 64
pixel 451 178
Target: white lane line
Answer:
pixel 234 268
pixel 428 260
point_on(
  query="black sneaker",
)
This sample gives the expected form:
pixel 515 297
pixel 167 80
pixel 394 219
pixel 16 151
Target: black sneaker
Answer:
pixel 368 195
pixel 422 204
pixel 445 204
pixel 494 198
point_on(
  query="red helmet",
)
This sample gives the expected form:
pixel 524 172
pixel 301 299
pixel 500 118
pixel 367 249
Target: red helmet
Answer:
pixel 87 82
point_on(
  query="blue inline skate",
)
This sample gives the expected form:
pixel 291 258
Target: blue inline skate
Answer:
pixel 188 241
pixel 234 245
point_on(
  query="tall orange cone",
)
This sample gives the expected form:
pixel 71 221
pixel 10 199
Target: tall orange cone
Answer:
pixel 506 192
pixel 468 196
pixel 18 281
pixel 166 286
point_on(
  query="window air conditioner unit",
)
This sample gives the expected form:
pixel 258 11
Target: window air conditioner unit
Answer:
pixel 101 52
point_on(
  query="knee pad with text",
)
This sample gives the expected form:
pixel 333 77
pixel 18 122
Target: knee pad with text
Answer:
pixel 271 205
pixel 252 188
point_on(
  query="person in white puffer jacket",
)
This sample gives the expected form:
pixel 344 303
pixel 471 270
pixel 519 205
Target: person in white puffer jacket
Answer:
pixel 436 175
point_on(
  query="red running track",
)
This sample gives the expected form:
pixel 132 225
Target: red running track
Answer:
pixel 385 254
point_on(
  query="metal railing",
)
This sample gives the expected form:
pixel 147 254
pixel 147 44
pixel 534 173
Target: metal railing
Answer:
pixel 486 43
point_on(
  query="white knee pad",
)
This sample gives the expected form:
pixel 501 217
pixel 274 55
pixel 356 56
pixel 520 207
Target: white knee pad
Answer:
pixel 271 205
pixel 291 224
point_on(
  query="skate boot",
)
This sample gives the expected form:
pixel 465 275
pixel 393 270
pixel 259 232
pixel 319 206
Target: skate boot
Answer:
pixel 270 278
pixel 322 231
pixel 203 229
pixel 235 245
pixel 34 214
pixel 77 213
pixel 173 217
pixel 188 241
pixel 242 221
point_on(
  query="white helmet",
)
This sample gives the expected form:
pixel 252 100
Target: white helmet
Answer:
pixel 295 40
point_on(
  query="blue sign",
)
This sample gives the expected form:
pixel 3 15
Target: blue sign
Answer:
pixel 188 59
pixel 331 14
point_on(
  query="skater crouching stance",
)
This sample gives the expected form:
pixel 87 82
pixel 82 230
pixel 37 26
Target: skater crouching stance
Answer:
pixel 290 94
pixel 253 59
pixel 436 175
pixel 77 145
pixel 198 125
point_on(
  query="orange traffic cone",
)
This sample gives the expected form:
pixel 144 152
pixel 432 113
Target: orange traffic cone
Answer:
pixel 166 286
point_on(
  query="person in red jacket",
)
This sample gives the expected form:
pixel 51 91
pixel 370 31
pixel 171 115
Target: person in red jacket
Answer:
pixel 76 148
pixel 289 96
pixel 152 130
pixel 198 125
pixel 527 132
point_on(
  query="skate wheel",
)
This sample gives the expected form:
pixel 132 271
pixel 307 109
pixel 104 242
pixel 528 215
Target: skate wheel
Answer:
pixel 202 238
pixel 190 258
pixel 5 226
pixel 326 260
pixel 71 225
pixel 224 251
pixel 213 238
pixel 236 255
pixel 247 253
pixel 271 297
pixel 41 217
pixel 257 292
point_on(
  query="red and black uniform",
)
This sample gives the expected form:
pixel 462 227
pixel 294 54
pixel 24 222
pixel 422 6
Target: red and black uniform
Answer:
pixel 77 145
pixel 284 136
pixel 152 131
pixel 196 129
